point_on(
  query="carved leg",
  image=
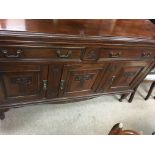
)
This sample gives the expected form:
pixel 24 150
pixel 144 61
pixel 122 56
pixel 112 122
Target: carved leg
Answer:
pixel 123 96
pixel 132 95
pixel 2 113
pixel 150 90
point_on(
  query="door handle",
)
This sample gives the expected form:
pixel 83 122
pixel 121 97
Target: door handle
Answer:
pixel 45 85
pixel 62 83
pixel 112 79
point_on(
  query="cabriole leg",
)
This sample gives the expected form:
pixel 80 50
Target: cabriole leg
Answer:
pixel 2 113
pixel 150 90
pixel 123 96
pixel 132 95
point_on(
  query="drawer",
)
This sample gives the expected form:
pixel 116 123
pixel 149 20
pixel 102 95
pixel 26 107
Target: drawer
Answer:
pixel 41 53
pixel 127 53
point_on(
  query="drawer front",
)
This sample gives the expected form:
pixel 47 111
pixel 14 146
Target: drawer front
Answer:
pixel 41 53
pixel 76 53
pixel 127 53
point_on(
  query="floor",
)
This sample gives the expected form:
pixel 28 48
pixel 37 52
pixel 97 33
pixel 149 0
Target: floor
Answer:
pixel 95 116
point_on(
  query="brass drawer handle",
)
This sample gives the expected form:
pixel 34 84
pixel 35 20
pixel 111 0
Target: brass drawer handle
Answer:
pixel 115 54
pixel 6 54
pixel 146 54
pixel 63 55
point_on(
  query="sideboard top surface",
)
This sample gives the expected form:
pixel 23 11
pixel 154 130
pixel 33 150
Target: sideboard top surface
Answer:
pixel 82 27
pixel 119 31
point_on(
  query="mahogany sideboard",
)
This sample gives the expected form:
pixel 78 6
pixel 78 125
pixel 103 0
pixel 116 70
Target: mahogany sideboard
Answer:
pixel 58 61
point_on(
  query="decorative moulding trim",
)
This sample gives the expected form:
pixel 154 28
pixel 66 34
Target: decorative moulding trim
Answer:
pixel 21 34
pixel 58 100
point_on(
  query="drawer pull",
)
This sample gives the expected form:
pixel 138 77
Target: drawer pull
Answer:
pixel 6 54
pixel 63 55
pixel 146 54
pixel 115 54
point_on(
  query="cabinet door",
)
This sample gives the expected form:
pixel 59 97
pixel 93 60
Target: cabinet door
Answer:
pixel 78 80
pixel 22 82
pixel 121 76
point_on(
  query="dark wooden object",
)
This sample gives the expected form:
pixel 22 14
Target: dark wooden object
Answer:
pixel 117 129
pixel 150 90
pixel 2 113
pixel 148 95
pixel 59 61
pixel 132 95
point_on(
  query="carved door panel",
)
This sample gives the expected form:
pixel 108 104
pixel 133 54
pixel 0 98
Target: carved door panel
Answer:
pixel 19 82
pixel 122 76
pixel 78 80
